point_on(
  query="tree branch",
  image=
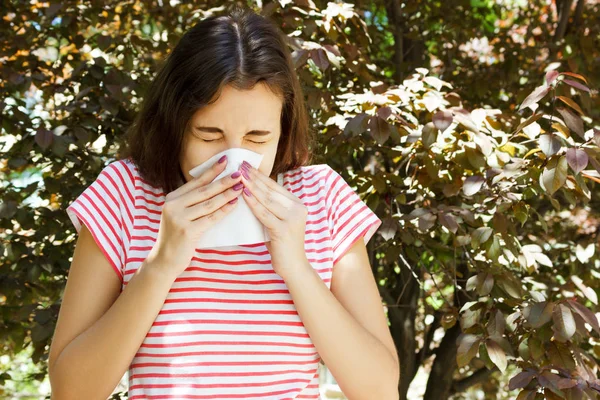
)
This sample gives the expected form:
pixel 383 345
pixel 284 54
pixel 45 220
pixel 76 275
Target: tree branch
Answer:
pixel 563 20
pixel 476 377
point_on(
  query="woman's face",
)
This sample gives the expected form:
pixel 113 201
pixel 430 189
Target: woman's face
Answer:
pixel 249 119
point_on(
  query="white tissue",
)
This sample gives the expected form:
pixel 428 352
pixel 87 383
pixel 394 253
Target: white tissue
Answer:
pixel 240 225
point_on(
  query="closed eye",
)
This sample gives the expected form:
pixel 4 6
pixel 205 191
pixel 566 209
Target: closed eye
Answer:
pixel 214 140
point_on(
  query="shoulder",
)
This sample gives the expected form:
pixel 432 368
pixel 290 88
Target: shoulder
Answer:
pixel 121 174
pixel 312 183
pixel 316 172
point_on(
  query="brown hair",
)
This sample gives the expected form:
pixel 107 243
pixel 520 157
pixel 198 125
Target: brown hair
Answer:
pixel 241 49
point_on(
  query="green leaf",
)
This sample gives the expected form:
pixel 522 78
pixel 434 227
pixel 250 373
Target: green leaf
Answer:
pixel 496 354
pixel 554 175
pixel 493 248
pixel 467 349
pixel 480 236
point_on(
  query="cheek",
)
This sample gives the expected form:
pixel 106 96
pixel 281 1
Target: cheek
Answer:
pixel 194 154
pixel 268 161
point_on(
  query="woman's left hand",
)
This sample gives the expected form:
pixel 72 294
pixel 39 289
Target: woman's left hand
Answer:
pixel 282 213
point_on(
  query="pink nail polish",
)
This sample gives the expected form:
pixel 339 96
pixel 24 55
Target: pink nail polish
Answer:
pixel 247 192
pixel 222 159
pixel 236 174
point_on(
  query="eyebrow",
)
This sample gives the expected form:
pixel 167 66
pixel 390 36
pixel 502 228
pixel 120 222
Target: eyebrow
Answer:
pixel 213 129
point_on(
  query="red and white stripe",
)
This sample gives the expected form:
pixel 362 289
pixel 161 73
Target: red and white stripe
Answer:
pixel 228 328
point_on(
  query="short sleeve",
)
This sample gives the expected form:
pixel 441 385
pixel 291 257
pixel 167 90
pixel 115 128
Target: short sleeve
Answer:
pixel 349 217
pixel 101 208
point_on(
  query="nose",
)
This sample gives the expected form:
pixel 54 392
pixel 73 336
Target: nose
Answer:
pixel 234 143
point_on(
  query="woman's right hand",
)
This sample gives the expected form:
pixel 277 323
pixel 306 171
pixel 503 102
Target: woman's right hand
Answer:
pixel 188 212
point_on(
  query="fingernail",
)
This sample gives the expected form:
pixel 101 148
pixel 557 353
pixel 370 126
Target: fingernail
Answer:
pixel 238 186
pixel 245 173
pixel 232 201
pixel 246 165
pixel 236 174
pixel 222 159
pixel 247 192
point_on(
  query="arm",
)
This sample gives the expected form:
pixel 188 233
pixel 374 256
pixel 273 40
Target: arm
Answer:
pixel 97 336
pixel 349 331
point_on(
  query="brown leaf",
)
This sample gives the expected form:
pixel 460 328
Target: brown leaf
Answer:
pixel 521 380
pixel 540 314
pixel 574 76
pixel 585 313
pixel 356 125
pixel 429 134
pixel 535 96
pixel 449 221
pixel 388 228
pixel 597 136
pixel 44 138
pixel 577 159
pixel 573 121
pixel 320 58
pixel 564 321
pixel 380 129
pixel 497 355
pixel 577 85
pixel 551 76
pixel 570 103
pixel 528 121
pixel 384 112
pixel 442 119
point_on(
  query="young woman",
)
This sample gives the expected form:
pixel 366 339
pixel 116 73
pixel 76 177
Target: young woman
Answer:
pixel 250 321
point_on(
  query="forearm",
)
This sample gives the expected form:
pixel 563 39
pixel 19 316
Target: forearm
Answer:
pixel 360 363
pixel 91 366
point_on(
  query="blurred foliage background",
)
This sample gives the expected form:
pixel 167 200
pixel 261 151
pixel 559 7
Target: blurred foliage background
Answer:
pixel 471 127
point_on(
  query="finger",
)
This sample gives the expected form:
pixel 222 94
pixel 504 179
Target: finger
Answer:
pixel 266 217
pixel 275 202
pixel 201 180
pixel 271 183
pixel 213 203
pixel 202 224
pixel 211 190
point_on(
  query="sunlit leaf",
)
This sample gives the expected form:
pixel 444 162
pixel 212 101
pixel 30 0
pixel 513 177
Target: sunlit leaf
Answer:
pixel 473 184
pixel 535 96
pixel 496 354
pixel 570 103
pixel 463 117
pixel 564 321
pixel 549 144
pixel 551 76
pixel 554 175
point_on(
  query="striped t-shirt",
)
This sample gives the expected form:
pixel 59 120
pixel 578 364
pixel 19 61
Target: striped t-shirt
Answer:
pixel 228 328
